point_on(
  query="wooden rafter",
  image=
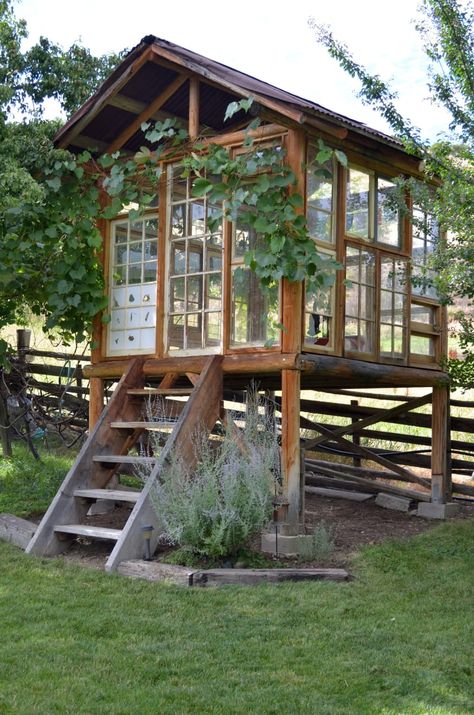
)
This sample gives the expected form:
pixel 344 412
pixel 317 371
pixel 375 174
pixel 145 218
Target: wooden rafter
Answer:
pixel 68 135
pixel 148 112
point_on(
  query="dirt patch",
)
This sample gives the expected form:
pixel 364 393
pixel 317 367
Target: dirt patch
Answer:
pixel 353 524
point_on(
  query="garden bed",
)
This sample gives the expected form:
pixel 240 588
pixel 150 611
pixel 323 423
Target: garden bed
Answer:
pixel 353 525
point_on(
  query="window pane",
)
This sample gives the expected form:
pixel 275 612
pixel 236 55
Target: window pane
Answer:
pixel 254 312
pixel 358 203
pixel 360 300
pixel 319 224
pixel 133 265
pixel 422 345
pixel 320 197
pixel 318 318
pixel 197 258
pixel 388 215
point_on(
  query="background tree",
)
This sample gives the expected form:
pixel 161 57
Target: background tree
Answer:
pixel 447 37
pixel 36 260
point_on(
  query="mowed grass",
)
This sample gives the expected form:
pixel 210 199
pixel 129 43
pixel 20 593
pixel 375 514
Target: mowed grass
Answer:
pixel 396 640
pixel 28 485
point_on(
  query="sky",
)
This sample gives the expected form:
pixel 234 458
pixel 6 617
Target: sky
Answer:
pixel 268 40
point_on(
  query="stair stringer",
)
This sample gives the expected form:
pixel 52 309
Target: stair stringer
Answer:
pixel 65 509
pixel 201 412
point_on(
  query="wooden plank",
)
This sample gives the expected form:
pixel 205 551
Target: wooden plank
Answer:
pixel 148 112
pixel 250 577
pixel 111 494
pixel 93 532
pixel 166 392
pixel 154 426
pixel 16 531
pixel 122 459
pixel 155 571
pixel 86 472
pixel 367 454
pixel 380 416
pixel 200 412
pixel 374 484
pixel 339 494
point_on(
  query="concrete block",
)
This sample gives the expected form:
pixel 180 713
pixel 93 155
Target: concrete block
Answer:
pixel 390 501
pixel 283 545
pixel 430 510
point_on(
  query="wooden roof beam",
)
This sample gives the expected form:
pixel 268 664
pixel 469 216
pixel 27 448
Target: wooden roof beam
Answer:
pixel 147 113
pixel 69 134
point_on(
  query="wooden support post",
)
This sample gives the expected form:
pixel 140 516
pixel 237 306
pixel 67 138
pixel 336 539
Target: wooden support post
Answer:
pixel 441 487
pixel 356 437
pixel 193 108
pixel 292 319
pixel 293 485
pixel 96 400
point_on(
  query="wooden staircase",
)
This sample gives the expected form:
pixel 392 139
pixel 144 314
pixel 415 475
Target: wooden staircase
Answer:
pixel 108 447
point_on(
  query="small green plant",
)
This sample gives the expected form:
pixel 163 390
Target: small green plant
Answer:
pixel 320 546
pixel 215 508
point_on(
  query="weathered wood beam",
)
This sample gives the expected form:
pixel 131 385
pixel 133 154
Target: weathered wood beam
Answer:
pixel 371 483
pixel 193 121
pixel 68 135
pixel 441 478
pixel 364 452
pixel 380 416
pixel 85 142
pixel 148 112
pixel 330 371
pixel 245 364
pixel 279 107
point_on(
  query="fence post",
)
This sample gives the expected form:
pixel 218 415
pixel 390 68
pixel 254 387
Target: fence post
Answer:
pixel 356 436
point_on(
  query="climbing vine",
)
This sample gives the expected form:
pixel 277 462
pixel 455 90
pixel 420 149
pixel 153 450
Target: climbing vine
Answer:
pixel 50 247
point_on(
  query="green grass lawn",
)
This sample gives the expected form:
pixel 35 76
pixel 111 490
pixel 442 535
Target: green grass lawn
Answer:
pixel 28 485
pixel 398 639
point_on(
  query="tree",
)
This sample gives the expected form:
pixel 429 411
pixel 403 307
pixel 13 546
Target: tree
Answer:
pixel 34 259
pixel 447 37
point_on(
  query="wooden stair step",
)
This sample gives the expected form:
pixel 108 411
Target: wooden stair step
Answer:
pixel 156 426
pixel 94 532
pixel 111 494
pixel 123 459
pixel 166 392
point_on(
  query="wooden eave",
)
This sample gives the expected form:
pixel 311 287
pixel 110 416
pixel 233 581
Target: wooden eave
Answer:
pixel 272 104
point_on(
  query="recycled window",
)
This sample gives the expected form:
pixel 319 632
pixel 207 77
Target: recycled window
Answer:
pixel 254 311
pixel 133 270
pixel 372 208
pixel 320 198
pixel 359 328
pixel 425 237
pixel 393 308
pixel 195 253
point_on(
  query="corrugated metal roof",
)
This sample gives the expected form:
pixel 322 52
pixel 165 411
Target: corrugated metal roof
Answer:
pixel 147 83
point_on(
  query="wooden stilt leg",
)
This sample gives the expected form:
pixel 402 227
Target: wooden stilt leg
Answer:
pixel 290 449
pixel 441 487
pixel 96 400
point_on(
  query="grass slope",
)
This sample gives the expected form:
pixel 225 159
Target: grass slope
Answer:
pixel 397 640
